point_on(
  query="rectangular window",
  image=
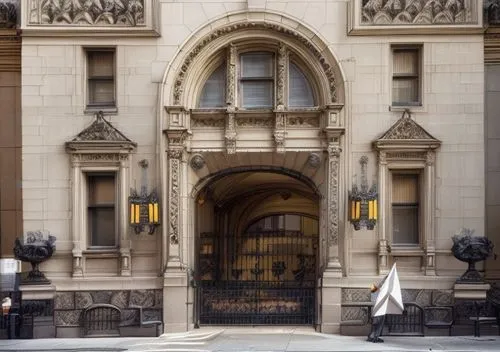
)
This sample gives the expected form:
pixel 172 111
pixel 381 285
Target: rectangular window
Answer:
pixel 257 80
pixel 102 209
pixel 101 78
pixel 405 209
pixel 406 76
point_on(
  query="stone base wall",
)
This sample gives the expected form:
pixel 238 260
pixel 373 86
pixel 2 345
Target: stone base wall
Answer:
pixel 68 306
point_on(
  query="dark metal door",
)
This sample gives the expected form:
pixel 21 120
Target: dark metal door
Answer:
pixel 259 278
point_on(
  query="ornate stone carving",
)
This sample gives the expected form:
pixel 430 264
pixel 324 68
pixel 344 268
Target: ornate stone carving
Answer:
pixel 197 162
pixel 296 121
pixel 405 155
pixel 350 295
pixel 314 160
pixel 83 300
pixel 64 300
pixel 254 122
pixel 230 133
pixel 280 82
pixel 128 13
pixel 207 122
pixel 67 317
pixel 8 13
pixel 279 141
pixel 406 128
pixel 430 158
pixel 101 130
pixel 415 12
pixel 231 75
pixel 104 157
pixel 174 200
pixel 333 208
pixel 327 67
pixel 143 298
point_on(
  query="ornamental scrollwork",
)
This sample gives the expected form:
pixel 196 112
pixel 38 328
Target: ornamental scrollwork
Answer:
pixel 174 201
pixel 231 75
pixel 87 13
pixel 280 89
pixel 333 207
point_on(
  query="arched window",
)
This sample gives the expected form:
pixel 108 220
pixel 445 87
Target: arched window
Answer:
pixel 257 81
pixel 213 93
pixel 299 90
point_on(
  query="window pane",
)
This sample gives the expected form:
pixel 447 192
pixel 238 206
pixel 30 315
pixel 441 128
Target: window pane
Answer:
pixel 404 188
pixel 255 65
pixel 102 226
pixel 293 222
pixel 101 64
pixel 405 224
pixel 213 93
pixel 101 209
pixel 405 91
pixel 405 62
pixel 257 94
pixel 300 92
pixel 101 92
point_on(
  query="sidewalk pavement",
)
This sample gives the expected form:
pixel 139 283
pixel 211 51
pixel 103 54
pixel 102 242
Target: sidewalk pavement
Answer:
pixel 254 339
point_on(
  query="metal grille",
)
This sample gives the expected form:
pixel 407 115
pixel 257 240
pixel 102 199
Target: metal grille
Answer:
pixel 259 278
pixel 410 323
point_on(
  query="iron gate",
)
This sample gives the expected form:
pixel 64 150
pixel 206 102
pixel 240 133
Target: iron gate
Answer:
pixel 259 278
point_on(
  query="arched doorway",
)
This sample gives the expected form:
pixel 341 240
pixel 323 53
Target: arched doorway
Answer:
pixel 257 259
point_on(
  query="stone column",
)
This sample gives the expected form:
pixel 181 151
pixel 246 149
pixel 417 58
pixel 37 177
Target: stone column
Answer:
pixel 383 254
pixel 428 221
pixel 333 168
pixel 77 246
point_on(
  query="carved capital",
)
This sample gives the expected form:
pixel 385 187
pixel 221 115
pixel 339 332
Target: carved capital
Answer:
pixel 279 141
pixel 430 158
pixel 334 151
pixel 176 139
pixel 230 134
pixel 382 157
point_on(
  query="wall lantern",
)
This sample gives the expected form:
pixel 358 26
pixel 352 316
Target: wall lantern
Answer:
pixel 363 205
pixel 144 207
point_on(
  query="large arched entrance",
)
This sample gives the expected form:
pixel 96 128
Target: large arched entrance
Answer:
pixel 257 260
pixel 253 128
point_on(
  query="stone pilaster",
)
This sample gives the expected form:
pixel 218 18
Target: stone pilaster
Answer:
pixel 383 253
pixel 429 199
pixel 175 153
pixel 77 249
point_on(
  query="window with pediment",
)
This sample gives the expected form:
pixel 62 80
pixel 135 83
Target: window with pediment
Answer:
pixel 260 76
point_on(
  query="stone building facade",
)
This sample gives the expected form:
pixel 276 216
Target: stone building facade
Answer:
pixel 275 149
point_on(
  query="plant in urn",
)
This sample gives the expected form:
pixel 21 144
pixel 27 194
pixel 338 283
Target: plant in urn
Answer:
pixel 471 249
pixel 37 249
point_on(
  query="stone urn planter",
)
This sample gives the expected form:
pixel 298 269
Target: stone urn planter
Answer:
pixel 471 249
pixel 35 250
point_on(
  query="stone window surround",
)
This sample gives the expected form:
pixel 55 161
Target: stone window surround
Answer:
pixel 420 160
pixel 83 162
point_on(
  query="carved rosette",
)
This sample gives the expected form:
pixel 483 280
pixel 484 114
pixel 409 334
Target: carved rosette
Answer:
pixel 326 65
pixel 333 193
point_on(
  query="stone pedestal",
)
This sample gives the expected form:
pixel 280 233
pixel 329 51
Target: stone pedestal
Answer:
pixel 38 302
pixel 331 303
pixel 476 292
pixel 175 302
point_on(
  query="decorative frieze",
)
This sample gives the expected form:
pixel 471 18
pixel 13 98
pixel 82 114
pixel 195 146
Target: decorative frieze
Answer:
pixel 202 122
pixel 416 12
pixel 128 13
pixel 299 121
pixel 262 122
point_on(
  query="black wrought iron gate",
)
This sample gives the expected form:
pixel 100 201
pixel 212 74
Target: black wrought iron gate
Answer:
pixel 259 278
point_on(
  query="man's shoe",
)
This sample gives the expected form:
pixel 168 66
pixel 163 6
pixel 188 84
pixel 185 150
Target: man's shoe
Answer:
pixel 378 339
